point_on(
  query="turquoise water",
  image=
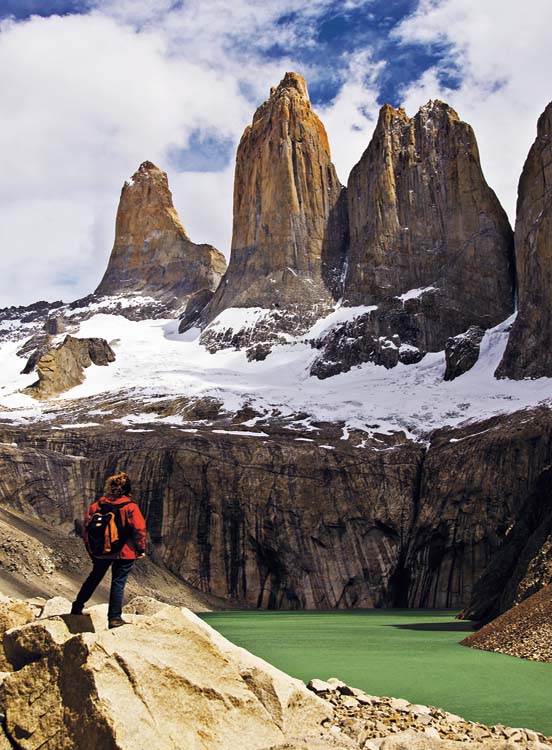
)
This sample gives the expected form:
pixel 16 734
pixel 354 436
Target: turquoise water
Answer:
pixel 413 654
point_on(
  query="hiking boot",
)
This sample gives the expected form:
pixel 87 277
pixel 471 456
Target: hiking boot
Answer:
pixel 76 609
pixel 117 622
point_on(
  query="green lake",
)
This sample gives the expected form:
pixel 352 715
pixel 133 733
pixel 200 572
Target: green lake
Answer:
pixel 412 654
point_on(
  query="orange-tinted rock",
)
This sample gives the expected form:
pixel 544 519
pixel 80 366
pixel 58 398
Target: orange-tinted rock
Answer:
pixel 288 217
pixel 529 350
pixel 152 254
pixel 421 215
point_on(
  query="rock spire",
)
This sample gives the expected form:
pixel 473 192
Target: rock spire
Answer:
pixel 422 216
pixel 287 203
pixel 152 253
pixel 529 349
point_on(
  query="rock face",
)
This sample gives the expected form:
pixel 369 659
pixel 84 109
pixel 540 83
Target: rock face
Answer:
pixel 421 217
pixel 529 350
pixel 523 564
pixel 524 630
pixel 165 682
pixel 63 366
pixel 289 210
pixel 475 486
pixel 272 522
pixel 152 254
pixel 462 352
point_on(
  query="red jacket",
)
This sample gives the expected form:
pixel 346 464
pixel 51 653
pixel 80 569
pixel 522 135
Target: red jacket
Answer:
pixel 131 517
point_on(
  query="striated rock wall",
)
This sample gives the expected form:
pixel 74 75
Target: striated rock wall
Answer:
pixel 279 523
pixel 289 212
pixel 276 524
pixel 523 564
pixel 529 350
pixel 421 215
pixel 152 253
pixel 474 489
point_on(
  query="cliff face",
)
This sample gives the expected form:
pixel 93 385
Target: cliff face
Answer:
pixel 529 350
pixel 278 523
pixel 523 565
pixel 422 216
pixel 289 221
pixel 152 254
pixel 475 486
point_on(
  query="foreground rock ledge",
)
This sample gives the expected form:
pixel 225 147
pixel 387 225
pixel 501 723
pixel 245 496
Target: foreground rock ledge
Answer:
pixel 167 681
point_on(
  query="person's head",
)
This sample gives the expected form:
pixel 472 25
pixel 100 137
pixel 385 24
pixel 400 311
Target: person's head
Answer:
pixel 118 485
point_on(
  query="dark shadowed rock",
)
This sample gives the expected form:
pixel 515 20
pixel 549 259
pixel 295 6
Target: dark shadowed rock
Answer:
pixel 152 254
pixel 462 352
pixel 55 324
pixel 529 350
pixel 474 488
pixel 523 564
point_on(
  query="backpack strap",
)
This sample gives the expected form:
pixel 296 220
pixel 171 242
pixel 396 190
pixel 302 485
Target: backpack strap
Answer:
pixel 113 506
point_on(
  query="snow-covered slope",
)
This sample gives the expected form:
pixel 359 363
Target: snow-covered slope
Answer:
pixel 154 362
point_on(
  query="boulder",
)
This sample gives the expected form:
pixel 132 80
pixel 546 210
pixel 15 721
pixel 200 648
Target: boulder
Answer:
pixel 462 352
pixel 165 682
pixel 153 254
pixel 62 367
pixel 13 613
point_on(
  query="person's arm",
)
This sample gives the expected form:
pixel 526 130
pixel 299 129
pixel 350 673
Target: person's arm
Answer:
pixel 137 523
pixel 91 510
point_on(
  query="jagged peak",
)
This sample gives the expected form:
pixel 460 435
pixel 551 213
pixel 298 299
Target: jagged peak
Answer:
pixel 291 81
pixel 437 107
pixel 292 87
pixel 145 171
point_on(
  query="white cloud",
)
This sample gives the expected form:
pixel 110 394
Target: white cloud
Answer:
pixel 351 117
pixel 86 101
pixel 502 52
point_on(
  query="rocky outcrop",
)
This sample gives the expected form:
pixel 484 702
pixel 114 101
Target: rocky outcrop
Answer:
pixel 525 630
pixel 462 352
pixel 423 220
pixel 289 210
pixel 529 350
pixel 165 682
pixel 62 367
pixel 385 336
pixel 152 254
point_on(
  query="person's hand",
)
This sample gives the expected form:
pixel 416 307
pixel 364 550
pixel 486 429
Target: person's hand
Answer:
pixel 140 556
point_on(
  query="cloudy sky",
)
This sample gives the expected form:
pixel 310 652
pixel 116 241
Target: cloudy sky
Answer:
pixel 91 88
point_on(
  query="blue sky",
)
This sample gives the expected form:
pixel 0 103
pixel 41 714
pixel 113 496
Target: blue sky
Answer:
pixel 96 87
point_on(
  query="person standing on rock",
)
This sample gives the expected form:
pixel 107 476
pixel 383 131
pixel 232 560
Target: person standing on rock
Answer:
pixel 115 536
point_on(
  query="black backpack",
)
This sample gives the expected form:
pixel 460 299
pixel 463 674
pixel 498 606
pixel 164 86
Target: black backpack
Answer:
pixel 106 532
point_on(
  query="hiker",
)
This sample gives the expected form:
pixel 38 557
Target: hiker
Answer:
pixel 115 536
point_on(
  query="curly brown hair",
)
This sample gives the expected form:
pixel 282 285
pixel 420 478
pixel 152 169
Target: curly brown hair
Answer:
pixel 118 485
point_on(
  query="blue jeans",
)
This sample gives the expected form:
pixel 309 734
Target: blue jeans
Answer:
pixel 119 575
